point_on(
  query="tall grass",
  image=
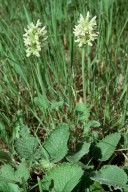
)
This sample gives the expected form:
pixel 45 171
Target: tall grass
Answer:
pixel 46 90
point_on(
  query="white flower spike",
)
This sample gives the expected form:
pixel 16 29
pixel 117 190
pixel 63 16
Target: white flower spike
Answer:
pixel 85 31
pixel 34 38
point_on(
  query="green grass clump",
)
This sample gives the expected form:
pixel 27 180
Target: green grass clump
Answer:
pixel 38 96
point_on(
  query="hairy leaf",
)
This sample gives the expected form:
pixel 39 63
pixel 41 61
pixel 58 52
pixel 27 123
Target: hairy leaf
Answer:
pixel 8 174
pixel 24 131
pixel 106 147
pixel 8 187
pixel 26 147
pixel 83 149
pixel 22 172
pixel 111 175
pixel 62 178
pixel 56 143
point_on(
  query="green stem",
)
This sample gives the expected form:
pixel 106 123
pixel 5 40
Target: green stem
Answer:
pixel 89 71
pixel 40 184
pixel 83 78
pixel 38 74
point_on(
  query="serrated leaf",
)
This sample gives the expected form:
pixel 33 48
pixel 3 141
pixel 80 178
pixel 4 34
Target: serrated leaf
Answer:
pixel 111 175
pixel 26 147
pixel 56 144
pixel 63 178
pixel 8 187
pixel 83 149
pixel 7 173
pixel 24 131
pixel 106 147
pixel 22 172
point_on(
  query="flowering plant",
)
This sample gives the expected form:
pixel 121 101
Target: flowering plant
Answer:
pixel 34 38
pixel 85 31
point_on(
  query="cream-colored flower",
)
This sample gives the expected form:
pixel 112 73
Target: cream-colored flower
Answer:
pixel 34 38
pixel 85 31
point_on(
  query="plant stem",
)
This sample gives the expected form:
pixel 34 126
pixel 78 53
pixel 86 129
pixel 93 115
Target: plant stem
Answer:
pixel 39 184
pixel 83 79
pixel 38 74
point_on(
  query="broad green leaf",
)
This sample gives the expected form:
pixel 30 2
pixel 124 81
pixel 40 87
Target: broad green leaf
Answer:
pixel 82 150
pixel 24 131
pixel 111 175
pixel 62 178
pixel 106 147
pixel 26 147
pixel 8 174
pixel 22 172
pixel 56 143
pixel 8 187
